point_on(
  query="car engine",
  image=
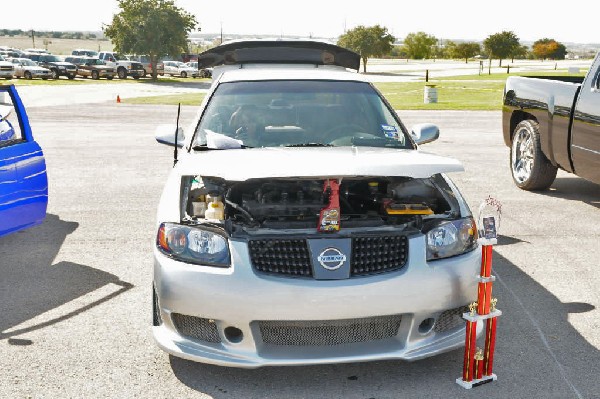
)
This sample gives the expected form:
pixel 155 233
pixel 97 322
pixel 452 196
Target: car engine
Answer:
pixel 285 204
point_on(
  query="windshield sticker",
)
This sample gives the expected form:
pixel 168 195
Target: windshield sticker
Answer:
pixel 390 131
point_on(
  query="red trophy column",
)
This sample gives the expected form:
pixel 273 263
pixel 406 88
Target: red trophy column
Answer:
pixel 478 364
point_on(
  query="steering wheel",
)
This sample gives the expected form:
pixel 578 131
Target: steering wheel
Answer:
pixel 348 128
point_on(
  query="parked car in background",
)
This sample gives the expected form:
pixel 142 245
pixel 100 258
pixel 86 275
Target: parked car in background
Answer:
pixel 84 52
pixel 124 66
pixel 23 178
pixel 302 223
pixel 145 61
pixel 57 66
pixel 202 73
pixel 7 69
pixel 552 122
pixel 36 50
pixel 89 67
pixel 181 69
pixel 28 69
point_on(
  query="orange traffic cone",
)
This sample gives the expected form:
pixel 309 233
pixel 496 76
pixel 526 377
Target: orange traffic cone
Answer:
pixel 118 99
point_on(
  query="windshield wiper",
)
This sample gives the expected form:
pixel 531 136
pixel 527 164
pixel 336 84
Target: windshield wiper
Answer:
pixel 377 142
pixel 204 147
pixel 310 145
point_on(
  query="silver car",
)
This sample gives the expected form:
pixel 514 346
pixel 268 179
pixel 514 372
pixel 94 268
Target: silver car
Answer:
pixel 301 223
pixel 28 69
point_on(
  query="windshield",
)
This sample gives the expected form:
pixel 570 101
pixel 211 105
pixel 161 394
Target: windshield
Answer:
pixel 28 62
pixel 120 57
pixel 51 58
pixel 95 61
pixel 298 113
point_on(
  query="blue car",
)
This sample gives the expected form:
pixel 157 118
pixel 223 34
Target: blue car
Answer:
pixel 23 178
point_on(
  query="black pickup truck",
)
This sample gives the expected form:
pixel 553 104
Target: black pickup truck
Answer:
pixel 551 123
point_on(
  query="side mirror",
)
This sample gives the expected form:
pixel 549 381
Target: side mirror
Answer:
pixel 425 133
pixel 165 134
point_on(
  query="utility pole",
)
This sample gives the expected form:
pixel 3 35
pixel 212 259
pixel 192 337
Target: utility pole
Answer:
pixel 33 37
pixel 221 32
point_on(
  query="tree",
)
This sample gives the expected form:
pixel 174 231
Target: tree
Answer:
pixel 549 48
pixel 465 50
pixel 419 45
pixel 153 27
pixel 372 41
pixel 501 45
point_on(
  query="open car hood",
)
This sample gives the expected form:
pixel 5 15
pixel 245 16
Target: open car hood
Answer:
pixel 244 164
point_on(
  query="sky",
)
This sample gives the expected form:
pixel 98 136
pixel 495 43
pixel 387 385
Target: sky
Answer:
pixel 454 20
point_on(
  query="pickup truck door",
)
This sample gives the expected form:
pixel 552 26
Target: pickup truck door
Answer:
pixel 585 132
pixel 23 179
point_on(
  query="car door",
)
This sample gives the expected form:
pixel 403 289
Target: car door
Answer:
pixel 585 131
pixel 23 178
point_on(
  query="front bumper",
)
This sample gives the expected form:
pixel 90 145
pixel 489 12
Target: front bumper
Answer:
pixel 136 72
pixel 421 296
pixel 6 74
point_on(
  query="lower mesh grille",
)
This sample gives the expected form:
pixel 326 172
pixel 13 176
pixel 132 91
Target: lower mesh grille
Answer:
pixel 196 327
pixel 450 319
pixel 329 332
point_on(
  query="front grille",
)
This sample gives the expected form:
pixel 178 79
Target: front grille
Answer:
pixel 378 254
pixel 290 257
pixel 450 319
pixel 329 332
pixel 196 327
pixel 373 254
pixel 6 68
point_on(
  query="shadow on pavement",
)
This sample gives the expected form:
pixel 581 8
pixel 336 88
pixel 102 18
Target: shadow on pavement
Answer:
pixel 538 355
pixel 32 285
pixel 575 189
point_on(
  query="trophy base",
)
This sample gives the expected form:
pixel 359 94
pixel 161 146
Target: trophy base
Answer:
pixel 476 383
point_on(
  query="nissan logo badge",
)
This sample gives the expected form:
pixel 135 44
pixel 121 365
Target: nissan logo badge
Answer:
pixel 331 258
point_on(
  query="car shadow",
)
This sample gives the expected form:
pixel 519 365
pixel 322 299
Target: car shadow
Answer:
pixel 32 284
pixel 574 189
pixel 538 354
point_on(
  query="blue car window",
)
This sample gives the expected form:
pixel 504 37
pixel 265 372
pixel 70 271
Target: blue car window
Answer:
pixel 9 124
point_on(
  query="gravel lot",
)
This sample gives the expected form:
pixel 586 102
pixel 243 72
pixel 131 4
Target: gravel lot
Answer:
pixel 75 293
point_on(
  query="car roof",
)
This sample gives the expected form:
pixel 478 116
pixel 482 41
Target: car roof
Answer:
pixel 286 72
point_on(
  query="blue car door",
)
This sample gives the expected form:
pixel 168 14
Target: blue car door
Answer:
pixel 23 179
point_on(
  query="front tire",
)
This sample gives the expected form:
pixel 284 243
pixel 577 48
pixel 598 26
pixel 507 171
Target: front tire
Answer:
pixel 54 73
pixel 122 73
pixel 28 75
pixel 184 74
pixel 95 75
pixel 530 168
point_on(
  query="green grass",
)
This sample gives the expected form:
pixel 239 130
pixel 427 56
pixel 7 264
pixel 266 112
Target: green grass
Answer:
pixel 474 94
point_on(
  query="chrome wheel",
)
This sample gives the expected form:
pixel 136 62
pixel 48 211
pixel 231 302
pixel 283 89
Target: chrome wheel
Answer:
pixel 522 155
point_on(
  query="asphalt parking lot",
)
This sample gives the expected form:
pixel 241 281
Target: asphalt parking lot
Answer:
pixel 75 296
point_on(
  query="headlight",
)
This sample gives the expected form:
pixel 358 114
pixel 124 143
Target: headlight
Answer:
pixel 61 67
pixel 193 245
pixel 450 238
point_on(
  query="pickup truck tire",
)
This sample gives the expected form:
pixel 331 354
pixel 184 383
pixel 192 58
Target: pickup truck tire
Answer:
pixel 530 168
pixel 54 73
pixel 122 73
pixel 95 75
